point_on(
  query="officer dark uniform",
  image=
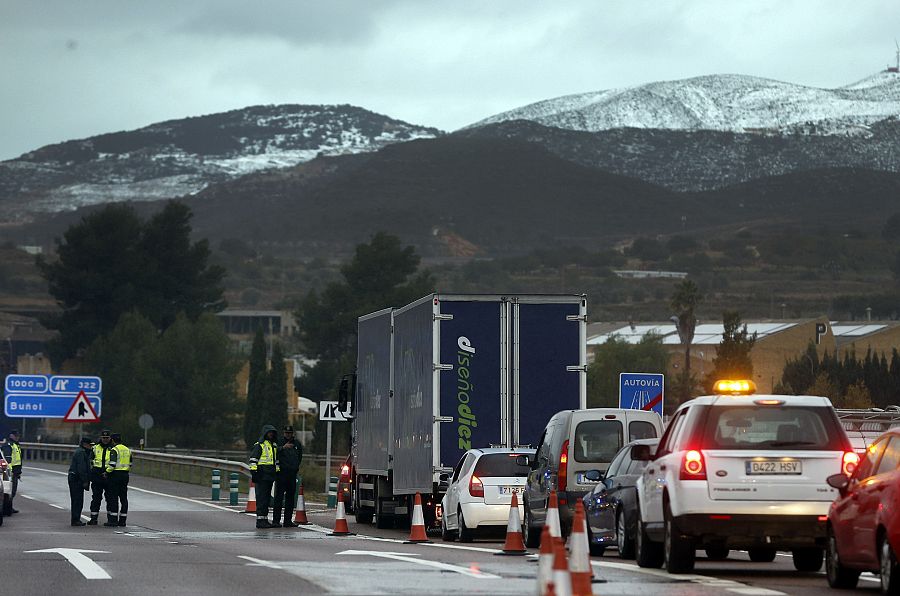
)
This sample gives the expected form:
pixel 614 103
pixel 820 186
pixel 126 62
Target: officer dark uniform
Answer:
pixel 290 453
pixel 117 471
pixel 13 453
pixel 102 452
pixel 79 478
pixel 264 469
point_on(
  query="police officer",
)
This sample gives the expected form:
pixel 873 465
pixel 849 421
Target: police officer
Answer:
pixel 117 471
pixel 99 480
pixel 264 469
pixel 13 453
pixel 80 478
pixel 290 453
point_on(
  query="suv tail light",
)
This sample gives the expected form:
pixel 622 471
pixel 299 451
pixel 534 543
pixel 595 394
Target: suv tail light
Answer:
pixel 693 466
pixel 849 462
pixel 476 487
pixel 562 477
pixel 345 471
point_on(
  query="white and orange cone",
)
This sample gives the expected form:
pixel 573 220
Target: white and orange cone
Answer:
pixel 562 581
pixel 580 556
pixel 300 512
pixel 514 544
pixel 553 517
pixel 551 590
pixel 417 533
pixel 251 499
pixel 545 562
pixel 340 520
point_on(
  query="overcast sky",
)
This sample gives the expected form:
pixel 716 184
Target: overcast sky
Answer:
pixel 76 68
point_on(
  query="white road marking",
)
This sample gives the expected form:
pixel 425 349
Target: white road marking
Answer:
pixel 27 497
pixel 88 568
pixel 411 558
pixel 705 580
pixel 54 505
pixel 259 562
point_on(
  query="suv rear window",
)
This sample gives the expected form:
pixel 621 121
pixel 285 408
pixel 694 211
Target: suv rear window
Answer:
pixel 500 464
pixel 597 441
pixel 786 427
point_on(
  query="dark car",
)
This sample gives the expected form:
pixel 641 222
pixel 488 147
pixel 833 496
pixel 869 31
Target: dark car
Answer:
pixel 611 508
pixel 864 523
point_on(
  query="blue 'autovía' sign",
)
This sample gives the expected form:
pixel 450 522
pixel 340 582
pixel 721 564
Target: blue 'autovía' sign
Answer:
pixel 642 391
pixel 43 396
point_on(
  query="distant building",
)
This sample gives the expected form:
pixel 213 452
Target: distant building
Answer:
pixel 640 274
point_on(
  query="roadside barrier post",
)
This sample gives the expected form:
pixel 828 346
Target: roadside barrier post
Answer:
pixel 216 484
pixel 332 492
pixel 233 489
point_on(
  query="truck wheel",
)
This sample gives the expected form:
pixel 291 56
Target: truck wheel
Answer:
pixel 808 559
pixel 649 553
pixel 761 554
pixel 678 550
pixel 531 535
pixel 364 515
pixel 382 521
pixel 466 534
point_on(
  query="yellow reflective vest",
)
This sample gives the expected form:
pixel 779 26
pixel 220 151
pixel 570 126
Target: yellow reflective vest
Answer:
pixel 15 456
pixel 266 456
pixel 101 456
pixel 122 460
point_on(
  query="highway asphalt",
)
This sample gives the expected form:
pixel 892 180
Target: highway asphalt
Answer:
pixel 178 542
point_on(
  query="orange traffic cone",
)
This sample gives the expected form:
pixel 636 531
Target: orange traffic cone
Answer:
pixel 553 517
pixel 580 556
pixel 340 520
pixel 551 590
pixel 417 533
pixel 545 562
pixel 300 513
pixel 514 544
pixel 251 499
pixel 562 582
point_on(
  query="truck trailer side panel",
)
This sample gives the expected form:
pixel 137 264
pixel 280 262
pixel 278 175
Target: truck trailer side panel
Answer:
pixel 414 408
pixel 373 394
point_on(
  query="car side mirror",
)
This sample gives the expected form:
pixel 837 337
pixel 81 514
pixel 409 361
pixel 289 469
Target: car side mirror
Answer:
pixel 641 453
pixel 593 475
pixel 839 481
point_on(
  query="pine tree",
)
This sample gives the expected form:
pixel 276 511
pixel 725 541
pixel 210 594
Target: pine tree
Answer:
pixel 256 383
pixel 276 390
pixel 733 359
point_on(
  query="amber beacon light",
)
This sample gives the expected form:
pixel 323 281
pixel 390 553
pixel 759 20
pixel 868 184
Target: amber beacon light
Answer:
pixel 734 387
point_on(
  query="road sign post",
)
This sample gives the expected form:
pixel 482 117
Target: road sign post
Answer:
pixel 145 421
pixel 642 391
pixel 330 411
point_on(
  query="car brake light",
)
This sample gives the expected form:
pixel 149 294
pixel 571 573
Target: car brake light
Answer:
pixel 345 470
pixel 849 463
pixel 692 466
pixel 563 475
pixel 476 487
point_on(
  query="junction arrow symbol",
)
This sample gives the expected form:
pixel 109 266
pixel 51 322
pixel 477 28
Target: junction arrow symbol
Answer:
pixel 79 561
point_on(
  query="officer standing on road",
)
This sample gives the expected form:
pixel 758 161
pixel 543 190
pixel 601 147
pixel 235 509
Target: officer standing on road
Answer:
pixel 99 485
pixel 117 471
pixel 264 469
pixel 290 453
pixel 13 453
pixel 80 478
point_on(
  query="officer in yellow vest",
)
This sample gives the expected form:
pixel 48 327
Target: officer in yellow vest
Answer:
pixel 117 471
pixel 100 481
pixel 264 469
pixel 13 453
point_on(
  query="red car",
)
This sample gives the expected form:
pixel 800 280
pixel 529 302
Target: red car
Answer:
pixel 864 522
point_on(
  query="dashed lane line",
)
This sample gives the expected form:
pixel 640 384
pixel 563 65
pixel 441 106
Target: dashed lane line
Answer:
pixel 703 580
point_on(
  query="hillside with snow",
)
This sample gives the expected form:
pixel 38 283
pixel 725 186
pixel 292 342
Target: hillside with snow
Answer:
pixel 182 157
pixel 732 103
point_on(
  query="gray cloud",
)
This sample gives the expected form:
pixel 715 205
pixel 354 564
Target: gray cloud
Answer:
pixel 74 69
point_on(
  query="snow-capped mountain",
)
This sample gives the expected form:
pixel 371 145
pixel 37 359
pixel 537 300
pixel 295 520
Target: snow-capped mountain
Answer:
pixel 734 103
pixel 181 157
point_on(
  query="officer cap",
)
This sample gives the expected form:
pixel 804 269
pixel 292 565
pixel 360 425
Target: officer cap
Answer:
pixel 85 440
pixel 14 431
pixel 116 437
pixel 288 429
pixel 104 433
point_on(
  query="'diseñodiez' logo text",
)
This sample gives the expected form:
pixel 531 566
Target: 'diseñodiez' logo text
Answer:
pixel 465 356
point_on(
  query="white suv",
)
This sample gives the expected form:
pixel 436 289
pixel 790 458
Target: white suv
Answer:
pixel 742 471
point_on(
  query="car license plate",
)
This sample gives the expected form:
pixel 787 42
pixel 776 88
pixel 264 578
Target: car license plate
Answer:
pixel 774 467
pixel 508 490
